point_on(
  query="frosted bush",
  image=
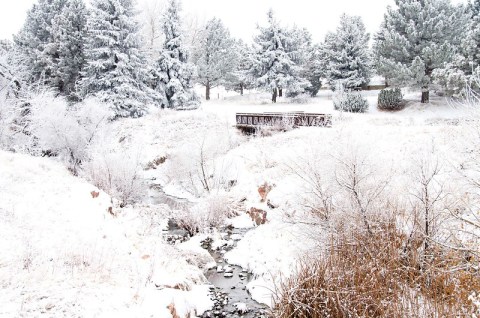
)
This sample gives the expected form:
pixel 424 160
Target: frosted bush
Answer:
pixel 390 99
pixel 118 173
pixel 300 99
pixel 349 101
pixel 66 130
pixel 196 165
pixel 210 213
pixel 6 118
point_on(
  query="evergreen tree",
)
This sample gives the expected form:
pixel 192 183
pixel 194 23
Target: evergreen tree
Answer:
pixel 416 38
pixel 472 44
pixel 35 42
pixel 273 66
pixel 314 70
pixel 241 79
pixel 115 69
pixel 10 84
pixel 346 54
pixel 215 57
pixel 461 69
pixel 173 74
pixel 69 34
pixel 308 57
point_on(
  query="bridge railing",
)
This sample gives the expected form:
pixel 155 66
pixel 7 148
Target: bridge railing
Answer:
pixel 295 119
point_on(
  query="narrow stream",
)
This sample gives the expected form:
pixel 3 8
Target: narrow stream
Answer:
pixel 231 296
pixel 229 293
pixel 158 196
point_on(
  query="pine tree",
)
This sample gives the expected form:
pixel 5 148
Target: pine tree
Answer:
pixel 115 70
pixel 241 79
pixel 10 84
pixel 461 69
pixel 472 44
pixel 314 70
pixel 416 38
pixel 215 57
pixel 346 54
pixel 307 57
pixel 35 42
pixel 173 74
pixel 273 67
pixel 69 34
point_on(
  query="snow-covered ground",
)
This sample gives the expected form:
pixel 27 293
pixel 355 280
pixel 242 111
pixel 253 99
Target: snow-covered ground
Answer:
pixel 64 254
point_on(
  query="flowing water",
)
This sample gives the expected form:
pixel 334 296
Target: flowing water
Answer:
pixel 229 292
pixel 231 296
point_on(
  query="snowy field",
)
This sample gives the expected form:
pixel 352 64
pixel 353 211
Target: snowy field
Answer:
pixel 67 253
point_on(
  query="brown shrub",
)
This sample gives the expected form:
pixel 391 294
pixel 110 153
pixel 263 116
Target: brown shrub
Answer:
pixel 383 274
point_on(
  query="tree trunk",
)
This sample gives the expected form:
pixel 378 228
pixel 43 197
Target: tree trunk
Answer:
pixel 207 91
pixel 280 92
pixel 241 89
pixel 274 95
pixel 425 97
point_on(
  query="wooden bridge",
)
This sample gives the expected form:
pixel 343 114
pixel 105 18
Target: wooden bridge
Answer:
pixel 251 121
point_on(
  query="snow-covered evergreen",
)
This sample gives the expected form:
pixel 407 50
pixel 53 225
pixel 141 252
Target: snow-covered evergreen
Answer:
pixel 215 56
pixel 37 52
pixel 173 74
pixel 115 68
pixel 10 84
pixel 346 54
pixel 314 69
pixel 241 79
pixel 69 35
pixel 464 66
pixel 472 44
pixel 273 67
pixel 307 57
pixel 417 37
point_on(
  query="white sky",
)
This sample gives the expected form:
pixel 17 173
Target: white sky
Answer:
pixel 242 16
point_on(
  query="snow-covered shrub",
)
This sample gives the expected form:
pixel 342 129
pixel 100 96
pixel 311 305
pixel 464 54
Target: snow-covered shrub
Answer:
pixel 197 164
pixel 300 99
pixel 390 99
pixel 66 130
pixel 316 185
pixel 349 101
pixel 210 213
pixel 6 118
pixel 117 172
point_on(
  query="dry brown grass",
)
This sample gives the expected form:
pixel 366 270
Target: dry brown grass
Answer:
pixel 383 274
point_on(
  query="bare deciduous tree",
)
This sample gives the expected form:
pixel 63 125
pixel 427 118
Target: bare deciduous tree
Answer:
pixel 361 182
pixel 429 194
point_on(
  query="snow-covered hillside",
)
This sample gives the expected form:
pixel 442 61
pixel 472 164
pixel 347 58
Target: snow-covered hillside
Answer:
pixel 64 254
